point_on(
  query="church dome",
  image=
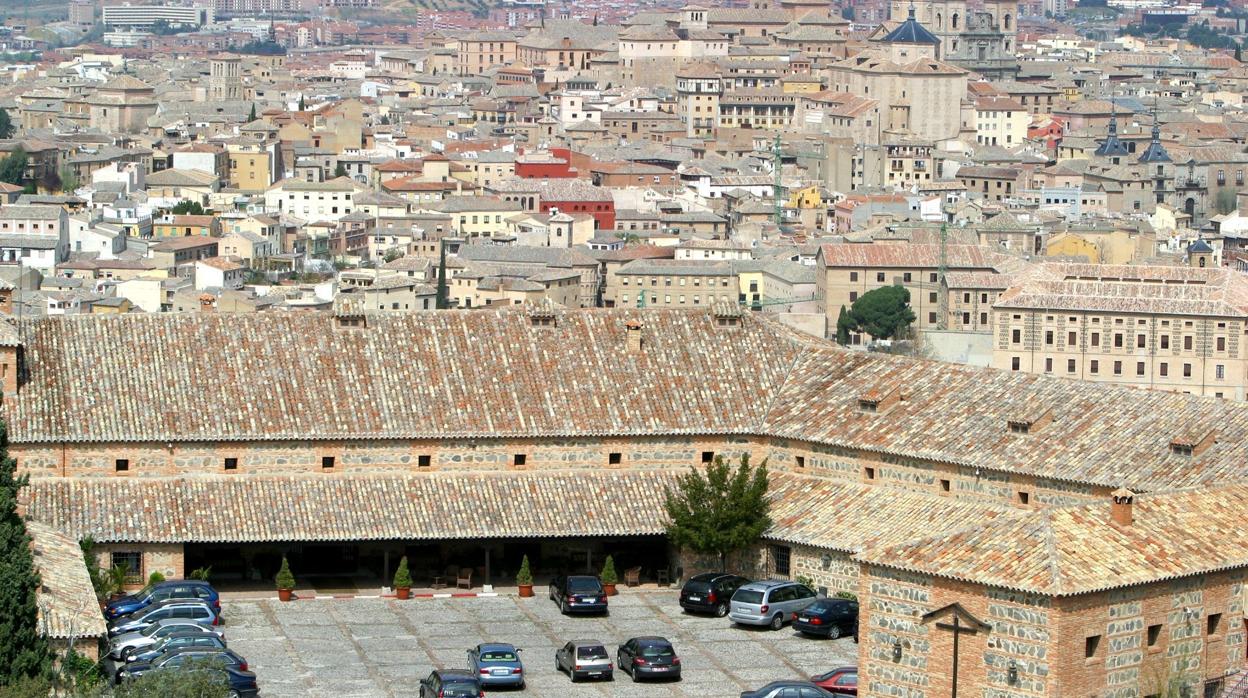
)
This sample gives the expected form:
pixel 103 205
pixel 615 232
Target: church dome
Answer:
pixel 911 32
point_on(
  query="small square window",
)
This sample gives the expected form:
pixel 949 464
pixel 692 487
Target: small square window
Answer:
pixel 869 473
pixel 1154 634
pixel 122 465
pixel 519 459
pixel 613 458
pixel 801 461
pixel 327 462
pixel 423 461
pixel 708 456
pixel 945 485
pixel 1090 645
pixel 1024 497
pixel 1214 625
pixel 231 464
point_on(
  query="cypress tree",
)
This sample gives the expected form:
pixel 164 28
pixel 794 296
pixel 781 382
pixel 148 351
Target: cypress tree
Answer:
pixel 23 650
pixel 843 327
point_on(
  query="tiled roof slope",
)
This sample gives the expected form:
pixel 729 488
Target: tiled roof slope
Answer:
pixel 1080 549
pixel 468 373
pixel 355 507
pixel 266 508
pixel 67 604
pixel 1099 434
pixel 451 374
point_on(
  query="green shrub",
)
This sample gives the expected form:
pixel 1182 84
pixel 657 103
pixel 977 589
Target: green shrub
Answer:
pixel 808 581
pixel 155 578
pixel 525 575
pixel 285 580
pixel 402 578
pixel 847 595
pixel 608 571
pixel 201 573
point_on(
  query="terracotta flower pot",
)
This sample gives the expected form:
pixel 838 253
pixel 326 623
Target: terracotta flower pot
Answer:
pixel 284 594
pixel 403 593
pixel 609 588
pixel 526 590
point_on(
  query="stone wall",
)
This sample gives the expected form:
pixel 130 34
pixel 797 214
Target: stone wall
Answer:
pixel 166 558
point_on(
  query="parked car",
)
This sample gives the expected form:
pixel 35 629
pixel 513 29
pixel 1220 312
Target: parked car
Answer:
pixel 497 664
pixel 123 644
pixel 830 618
pixel 788 689
pixel 584 659
pixel 187 609
pixel 242 684
pixel 771 603
pixel 710 592
pixel 177 658
pixel 841 682
pixel 176 641
pixel 451 683
pixel 163 591
pixel 581 593
pixel 653 657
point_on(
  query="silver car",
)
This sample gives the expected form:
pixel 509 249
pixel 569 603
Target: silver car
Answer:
pixel 770 603
pixel 584 659
pixel 125 644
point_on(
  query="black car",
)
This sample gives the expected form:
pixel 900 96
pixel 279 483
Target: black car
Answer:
pixel 173 642
pixel 451 683
pixel 649 657
pixel 176 659
pixel 710 592
pixel 830 618
pixel 788 689
pixel 578 593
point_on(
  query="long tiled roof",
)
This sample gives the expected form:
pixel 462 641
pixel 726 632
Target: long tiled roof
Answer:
pixel 407 375
pixel 1132 289
pixel 419 374
pixel 1080 549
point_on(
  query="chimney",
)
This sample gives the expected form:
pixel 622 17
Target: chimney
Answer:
pixel 1120 510
pixel 207 303
pixel 633 330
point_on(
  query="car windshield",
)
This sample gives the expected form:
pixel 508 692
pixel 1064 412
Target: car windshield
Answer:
pixel 697 586
pixel 657 651
pixel 594 652
pixel 819 607
pixel 498 656
pixel 144 592
pixel 582 584
pixel 748 596
pixel 152 630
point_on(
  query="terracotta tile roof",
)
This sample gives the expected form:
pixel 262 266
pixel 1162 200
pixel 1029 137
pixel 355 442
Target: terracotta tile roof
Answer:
pixel 430 388
pixel 65 589
pixel 1132 289
pixel 416 506
pixel 908 255
pixel 1080 549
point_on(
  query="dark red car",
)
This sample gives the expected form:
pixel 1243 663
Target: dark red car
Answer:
pixel 842 681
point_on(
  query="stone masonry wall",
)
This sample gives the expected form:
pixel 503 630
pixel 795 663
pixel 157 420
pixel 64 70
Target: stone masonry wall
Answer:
pixel 166 558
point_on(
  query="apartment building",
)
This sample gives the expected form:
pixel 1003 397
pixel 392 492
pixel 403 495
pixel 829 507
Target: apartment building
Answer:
pixel 1179 329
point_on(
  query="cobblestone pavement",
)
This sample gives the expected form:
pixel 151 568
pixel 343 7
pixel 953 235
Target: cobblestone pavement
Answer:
pixel 378 648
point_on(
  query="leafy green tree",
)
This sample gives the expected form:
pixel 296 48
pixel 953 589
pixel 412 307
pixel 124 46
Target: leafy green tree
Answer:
pixel 721 511
pixel 203 679
pixel 24 650
pixel 1224 201
pixel 6 124
pixel 13 167
pixel 340 170
pixel 883 313
pixel 843 327
pixel 69 180
pixel 188 208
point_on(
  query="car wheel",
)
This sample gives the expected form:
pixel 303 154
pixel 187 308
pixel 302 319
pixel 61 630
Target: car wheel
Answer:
pixel 234 694
pixel 834 632
pixel 721 610
pixel 563 607
pixel 777 622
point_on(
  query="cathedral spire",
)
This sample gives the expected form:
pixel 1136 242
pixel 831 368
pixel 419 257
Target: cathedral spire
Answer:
pixel 1112 147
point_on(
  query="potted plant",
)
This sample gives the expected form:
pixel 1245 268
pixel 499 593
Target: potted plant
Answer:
pixel 402 580
pixel 285 581
pixel 155 578
pixel 609 577
pixel 524 579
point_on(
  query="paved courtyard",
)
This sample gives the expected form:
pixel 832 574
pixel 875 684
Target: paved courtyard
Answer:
pixel 366 648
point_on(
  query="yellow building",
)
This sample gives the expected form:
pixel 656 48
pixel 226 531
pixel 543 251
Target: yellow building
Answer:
pixel 1070 246
pixel 251 166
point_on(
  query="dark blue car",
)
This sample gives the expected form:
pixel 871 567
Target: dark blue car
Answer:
pixel 163 591
pixel 192 657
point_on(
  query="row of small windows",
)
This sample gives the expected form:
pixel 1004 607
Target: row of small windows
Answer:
pixel 1141 340
pixel 1092 643
pixel 1094 368
pixel 423 460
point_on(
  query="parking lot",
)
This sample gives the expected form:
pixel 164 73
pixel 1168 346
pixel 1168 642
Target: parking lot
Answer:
pixel 383 647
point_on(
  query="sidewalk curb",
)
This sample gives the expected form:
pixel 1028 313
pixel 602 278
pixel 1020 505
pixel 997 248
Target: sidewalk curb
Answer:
pixel 426 595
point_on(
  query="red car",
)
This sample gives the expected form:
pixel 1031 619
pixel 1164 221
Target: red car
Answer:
pixel 842 682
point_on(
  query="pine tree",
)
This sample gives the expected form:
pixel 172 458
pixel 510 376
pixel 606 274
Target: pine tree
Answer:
pixel 720 512
pixel 23 650
pixel 843 327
